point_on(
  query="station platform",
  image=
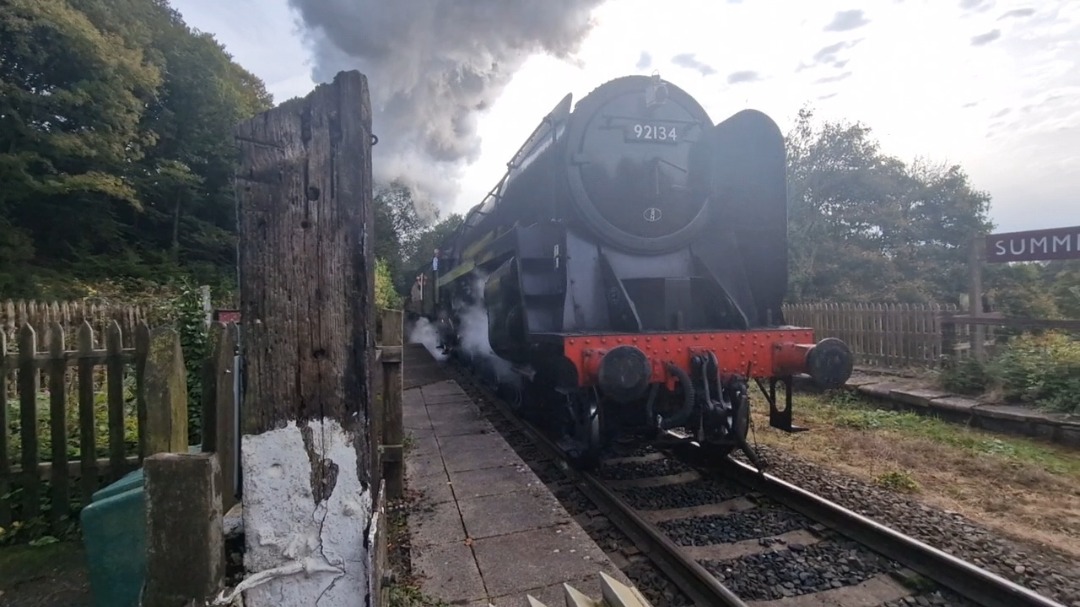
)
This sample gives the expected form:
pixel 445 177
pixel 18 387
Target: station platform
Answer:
pixel 488 531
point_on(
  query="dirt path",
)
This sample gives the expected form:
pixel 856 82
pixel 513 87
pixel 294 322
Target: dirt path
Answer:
pixel 47 576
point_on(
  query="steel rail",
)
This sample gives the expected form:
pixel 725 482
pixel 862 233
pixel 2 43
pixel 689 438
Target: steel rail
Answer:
pixel 691 578
pixel 964 578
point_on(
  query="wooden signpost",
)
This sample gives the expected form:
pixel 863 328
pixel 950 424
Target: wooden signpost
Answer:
pixel 307 346
pixel 1032 245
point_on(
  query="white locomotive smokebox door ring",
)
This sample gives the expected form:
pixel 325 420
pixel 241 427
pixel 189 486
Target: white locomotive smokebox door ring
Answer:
pixel 652 214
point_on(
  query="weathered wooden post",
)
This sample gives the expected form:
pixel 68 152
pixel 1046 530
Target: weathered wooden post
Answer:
pixel 307 344
pixel 393 430
pixel 975 304
pixel 185 548
pixel 219 406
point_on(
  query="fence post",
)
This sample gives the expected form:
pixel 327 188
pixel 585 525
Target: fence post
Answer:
pixel 975 308
pixel 393 431
pixel 28 420
pixel 5 463
pixel 166 394
pixel 219 406
pixel 307 303
pixel 58 426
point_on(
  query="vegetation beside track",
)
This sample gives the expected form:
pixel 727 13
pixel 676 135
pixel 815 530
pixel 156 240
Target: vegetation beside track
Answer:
pixel 1021 487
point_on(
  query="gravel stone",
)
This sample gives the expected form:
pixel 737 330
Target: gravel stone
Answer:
pixel 774 575
pixel 734 527
pixel 1057 577
pixel 697 493
pixel 634 470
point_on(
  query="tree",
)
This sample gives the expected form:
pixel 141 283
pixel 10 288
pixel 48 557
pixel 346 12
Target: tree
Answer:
pixel 403 240
pixel 866 226
pixel 116 135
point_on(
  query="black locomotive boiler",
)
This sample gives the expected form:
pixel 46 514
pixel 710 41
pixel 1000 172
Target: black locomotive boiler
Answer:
pixel 631 266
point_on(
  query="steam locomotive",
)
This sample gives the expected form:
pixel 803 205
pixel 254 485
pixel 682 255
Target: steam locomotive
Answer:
pixel 624 279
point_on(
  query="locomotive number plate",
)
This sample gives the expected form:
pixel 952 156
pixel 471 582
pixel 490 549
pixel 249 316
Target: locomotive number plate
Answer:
pixel 651 133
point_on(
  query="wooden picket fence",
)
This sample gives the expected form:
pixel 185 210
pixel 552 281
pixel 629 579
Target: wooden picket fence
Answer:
pixel 893 336
pixel 93 390
pixel 70 315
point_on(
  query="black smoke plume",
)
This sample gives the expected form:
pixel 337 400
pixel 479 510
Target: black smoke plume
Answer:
pixel 432 67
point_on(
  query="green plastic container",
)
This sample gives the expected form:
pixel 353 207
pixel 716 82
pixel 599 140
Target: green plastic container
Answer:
pixel 114 534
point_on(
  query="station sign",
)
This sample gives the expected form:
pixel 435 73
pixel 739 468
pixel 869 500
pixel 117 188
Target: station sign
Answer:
pixel 1034 245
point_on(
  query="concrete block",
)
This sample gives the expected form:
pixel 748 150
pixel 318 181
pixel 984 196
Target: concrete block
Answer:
pixel 462 427
pixel 880 389
pixel 917 397
pixel 954 404
pixel 185 542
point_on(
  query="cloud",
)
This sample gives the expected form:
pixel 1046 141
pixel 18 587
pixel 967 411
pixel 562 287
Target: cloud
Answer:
pixel 689 60
pixel 986 38
pixel 743 76
pixel 644 61
pixel 1018 12
pixel 433 66
pixel 1001 113
pixel 846 20
pixel 970 4
pixel 836 78
pixel 829 55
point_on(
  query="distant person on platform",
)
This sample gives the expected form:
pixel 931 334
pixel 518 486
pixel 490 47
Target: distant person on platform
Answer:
pixel 418 289
pixel 435 261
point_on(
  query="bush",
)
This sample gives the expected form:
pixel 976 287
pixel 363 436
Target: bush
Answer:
pixel 1042 370
pixel 1037 369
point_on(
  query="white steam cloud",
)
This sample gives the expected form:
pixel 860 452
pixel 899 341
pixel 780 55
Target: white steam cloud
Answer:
pixel 432 66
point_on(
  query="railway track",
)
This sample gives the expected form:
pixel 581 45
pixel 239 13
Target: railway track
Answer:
pixel 727 535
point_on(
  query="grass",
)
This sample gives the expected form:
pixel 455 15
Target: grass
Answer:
pixel 1020 486
pixel 846 410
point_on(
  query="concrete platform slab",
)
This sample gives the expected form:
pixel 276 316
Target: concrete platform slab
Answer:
pixel 470 484
pixel 524 510
pixel 437 525
pixel 460 427
pixel 541 557
pixel 489 532
pixel 448 572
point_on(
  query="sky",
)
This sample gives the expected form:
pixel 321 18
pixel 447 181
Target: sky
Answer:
pixel 991 85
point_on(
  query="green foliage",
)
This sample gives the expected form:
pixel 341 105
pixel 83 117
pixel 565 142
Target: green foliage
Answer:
pixel 866 226
pixel 1037 369
pixel 1040 369
pixel 966 376
pixel 897 480
pixel 403 240
pixel 385 294
pixel 860 414
pixel 183 310
pixel 37 530
pixel 116 149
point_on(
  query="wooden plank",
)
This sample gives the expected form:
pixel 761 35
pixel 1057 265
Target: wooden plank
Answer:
pixel 142 350
pixel 393 431
pixel 74 469
pixel 115 398
pixel 5 461
pixel 87 426
pixel 166 394
pixel 219 402
pixel 58 427
pixel 306 299
pixel 28 422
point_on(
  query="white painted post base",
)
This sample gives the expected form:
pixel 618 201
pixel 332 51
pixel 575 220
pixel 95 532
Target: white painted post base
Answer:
pixel 299 553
